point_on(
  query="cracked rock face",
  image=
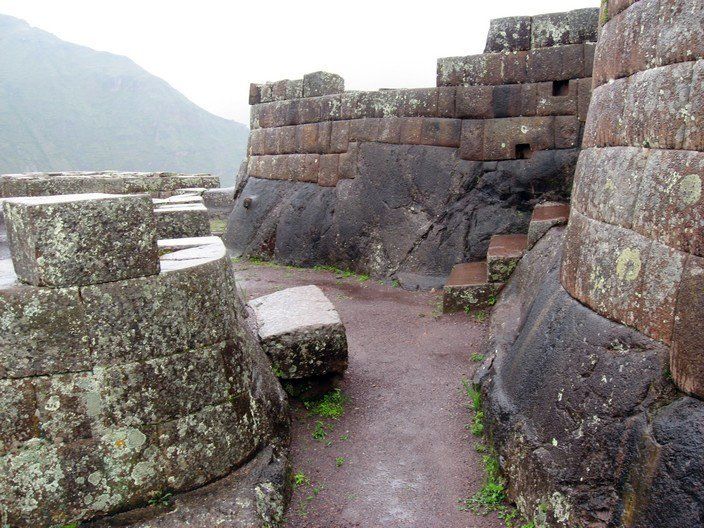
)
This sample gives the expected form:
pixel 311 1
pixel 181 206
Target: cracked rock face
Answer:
pixel 589 427
pixel 411 212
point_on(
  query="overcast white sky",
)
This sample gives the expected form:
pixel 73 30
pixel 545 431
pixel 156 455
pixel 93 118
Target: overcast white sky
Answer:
pixel 211 50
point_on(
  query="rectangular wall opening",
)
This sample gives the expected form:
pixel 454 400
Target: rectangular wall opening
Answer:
pixel 560 88
pixel 523 151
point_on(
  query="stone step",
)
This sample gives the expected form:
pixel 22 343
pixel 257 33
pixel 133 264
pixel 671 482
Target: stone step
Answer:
pixel 545 216
pixel 503 255
pixel 467 288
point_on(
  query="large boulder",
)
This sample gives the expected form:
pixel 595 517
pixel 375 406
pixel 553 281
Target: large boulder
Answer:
pixel 589 427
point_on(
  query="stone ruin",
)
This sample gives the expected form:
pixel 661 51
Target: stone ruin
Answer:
pixel 186 205
pixel 595 374
pixel 404 184
pixel 123 374
pixel 129 365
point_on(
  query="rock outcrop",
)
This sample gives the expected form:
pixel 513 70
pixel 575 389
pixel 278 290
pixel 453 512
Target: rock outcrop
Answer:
pixel 407 183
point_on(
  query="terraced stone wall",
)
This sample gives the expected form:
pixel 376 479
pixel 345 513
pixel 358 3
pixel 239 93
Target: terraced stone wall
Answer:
pixel 635 245
pixel 499 133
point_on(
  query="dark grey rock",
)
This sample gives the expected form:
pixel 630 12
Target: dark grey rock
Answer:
pixel 410 213
pixel 589 429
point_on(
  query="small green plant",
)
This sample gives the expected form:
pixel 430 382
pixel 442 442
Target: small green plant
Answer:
pixel 344 437
pixel 330 405
pixel 162 499
pixel 476 357
pixel 395 283
pixel 480 316
pixel 477 426
pixel 339 461
pixel 300 479
pixel 491 301
pixel 319 432
pixel 72 525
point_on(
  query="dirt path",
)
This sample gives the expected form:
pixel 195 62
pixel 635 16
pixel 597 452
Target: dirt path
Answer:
pixel 400 456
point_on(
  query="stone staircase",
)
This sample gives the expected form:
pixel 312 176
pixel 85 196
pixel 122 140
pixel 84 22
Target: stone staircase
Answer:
pixel 475 285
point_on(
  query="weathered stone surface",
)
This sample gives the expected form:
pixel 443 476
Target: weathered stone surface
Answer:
pixel 301 332
pixel 254 496
pixel 622 275
pixel 322 83
pixel 589 430
pixel 546 216
pixel 410 209
pixel 509 34
pixel 184 307
pixel 572 27
pixel 174 244
pixel 42 330
pixel 156 184
pixel 687 360
pixel 116 403
pixel 74 240
pixel 182 221
pixel 503 255
pixel 468 288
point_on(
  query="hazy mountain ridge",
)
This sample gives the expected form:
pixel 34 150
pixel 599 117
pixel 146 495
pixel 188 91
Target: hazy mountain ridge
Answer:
pixel 68 107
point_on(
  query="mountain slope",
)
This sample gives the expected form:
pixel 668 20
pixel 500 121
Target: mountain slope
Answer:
pixel 67 107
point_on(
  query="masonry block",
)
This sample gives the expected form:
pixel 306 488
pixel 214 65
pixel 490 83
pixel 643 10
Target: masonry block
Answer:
pixel 339 136
pixel 503 255
pixel 572 27
pixel 467 288
pixel 566 132
pixel 555 64
pixel 420 102
pixel 517 137
pixel 604 126
pixel 472 139
pixel 686 356
pixel 348 162
pixel 509 34
pixel 182 221
pixel 545 216
pixel 322 83
pixel 607 183
pixel 474 102
pixel 72 240
pixel 669 206
pixel 301 332
pixel 446 101
pixel 390 130
pixel 365 129
pixel 328 173
pixel 255 94
pixel 441 132
pixel 411 130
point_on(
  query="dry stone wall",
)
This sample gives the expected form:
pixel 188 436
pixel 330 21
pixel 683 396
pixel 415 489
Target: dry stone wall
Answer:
pixel 500 132
pixel 117 390
pixel 635 247
pixel 594 382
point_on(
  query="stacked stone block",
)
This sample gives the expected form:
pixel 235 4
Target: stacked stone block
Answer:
pixel 115 386
pixel 156 184
pixel 635 244
pixel 527 96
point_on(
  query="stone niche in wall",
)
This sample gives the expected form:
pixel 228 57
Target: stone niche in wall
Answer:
pixel 405 183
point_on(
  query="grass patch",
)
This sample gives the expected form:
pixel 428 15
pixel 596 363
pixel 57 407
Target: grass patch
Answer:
pixel 218 226
pixel 342 273
pixel 476 357
pixel 492 496
pixel 330 405
pixel 339 461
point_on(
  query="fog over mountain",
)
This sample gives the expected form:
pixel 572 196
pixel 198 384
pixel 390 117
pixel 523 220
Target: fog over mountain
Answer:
pixel 68 107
